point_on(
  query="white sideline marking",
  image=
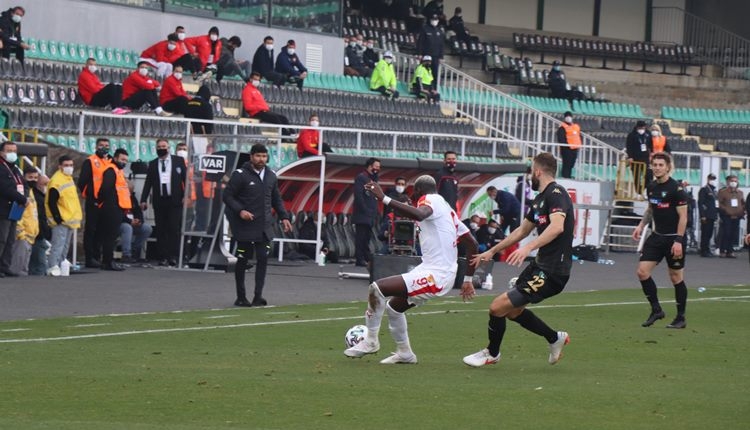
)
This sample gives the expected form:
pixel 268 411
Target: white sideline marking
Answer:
pixel 216 317
pixel 272 323
pixel 16 329
pixel 88 325
pixel 281 313
pixel 166 319
pixel 341 309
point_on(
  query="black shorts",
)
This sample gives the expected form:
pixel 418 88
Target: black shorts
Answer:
pixel 659 246
pixel 534 285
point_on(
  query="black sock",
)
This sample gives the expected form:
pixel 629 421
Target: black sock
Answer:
pixel 680 296
pixel 532 323
pixel 239 277
pixel 649 289
pixel 495 332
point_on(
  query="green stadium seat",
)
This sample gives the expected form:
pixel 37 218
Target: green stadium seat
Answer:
pixel 62 51
pixel 53 50
pixel 109 53
pixel 73 53
pixel 33 51
pixel 101 56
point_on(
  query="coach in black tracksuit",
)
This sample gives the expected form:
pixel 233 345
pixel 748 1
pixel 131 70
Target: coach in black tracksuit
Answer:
pixel 250 195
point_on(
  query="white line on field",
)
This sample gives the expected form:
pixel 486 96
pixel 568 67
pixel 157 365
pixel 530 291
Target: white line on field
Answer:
pixel 216 317
pixel 273 323
pixel 88 325
pixel 341 309
pixel 166 319
pixel 16 329
pixel 282 313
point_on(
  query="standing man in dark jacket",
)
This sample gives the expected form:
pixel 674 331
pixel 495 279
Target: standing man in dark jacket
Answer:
pixel 638 147
pixel 708 211
pixel 508 207
pixel 166 179
pixel 364 212
pixel 447 182
pixel 250 195
pixel 12 190
pixel 89 183
pixel 430 42
pixel 263 62
pixel 10 33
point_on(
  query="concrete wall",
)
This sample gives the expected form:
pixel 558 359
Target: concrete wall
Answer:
pixel 569 16
pixel 623 20
pixel 512 13
pixel 133 28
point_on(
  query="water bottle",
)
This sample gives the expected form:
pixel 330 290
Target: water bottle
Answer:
pixel 606 262
pixel 65 268
pixel 487 284
pixel 322 259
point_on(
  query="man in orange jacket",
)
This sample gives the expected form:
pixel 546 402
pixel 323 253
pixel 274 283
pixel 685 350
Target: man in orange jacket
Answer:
pixel 207 48
pixel 308 142
pixel 569 134
pixel 94 93
pixel 139 89
pixel 255 104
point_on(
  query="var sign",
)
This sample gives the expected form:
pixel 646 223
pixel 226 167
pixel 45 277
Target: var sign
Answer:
pixel 213 163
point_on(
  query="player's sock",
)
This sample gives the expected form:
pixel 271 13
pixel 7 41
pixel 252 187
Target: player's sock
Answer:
pixel 532 323
pixel 399 332
pixel 374 314
pixel 239 277
pixel 495 332
pixel 680 295
pixel 649 289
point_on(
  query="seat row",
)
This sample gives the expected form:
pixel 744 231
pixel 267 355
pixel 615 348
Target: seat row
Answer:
pixel 726 116
pixel 78 53
pixel 621 110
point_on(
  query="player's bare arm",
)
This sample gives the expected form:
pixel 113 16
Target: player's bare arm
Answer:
pixel 556 228
pixel 515 236
pixel 402 209
pixel 647 216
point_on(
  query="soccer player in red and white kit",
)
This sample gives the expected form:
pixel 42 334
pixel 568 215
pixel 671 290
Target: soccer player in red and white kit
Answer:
pixel 440 231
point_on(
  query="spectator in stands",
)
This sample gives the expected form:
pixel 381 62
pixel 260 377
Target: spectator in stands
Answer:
pixel 309 231
pixel 89 183
pixel 256 107
pixel 370 58
pixel 638 148
pixel 398 193
pixel 230 66
pixel 435 10
pixel 383 79
pixel 472 223
pixel 114 198
pixel 207 48
pixel 165 178
pixel 308 141
pixel 423 83
pixel 263 63
pixel 190 60
pixel 354 64
pixel 139 89
pixel 27 228
pixel 364 212
pixel 508 207
pixel 11 41
pixel 707 212
pixel 731 210
pixel 94 93
pixel 133 230
pixel 289 64
pixel 38 261
pixel 488 235
pixel 456 25
pixel 569 135
pixel 173 97
pixel 162 54
pixel 447 181
pixel 556 81
pixel 431 42
pixel 658 141
pixel 64 213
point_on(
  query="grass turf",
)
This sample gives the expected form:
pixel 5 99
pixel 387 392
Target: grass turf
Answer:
pixel 283 368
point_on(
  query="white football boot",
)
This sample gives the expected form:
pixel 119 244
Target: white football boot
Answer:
pixel 555 349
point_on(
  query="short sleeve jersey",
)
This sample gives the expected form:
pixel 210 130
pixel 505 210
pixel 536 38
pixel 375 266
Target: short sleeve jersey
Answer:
pixel 664 199
pixel 439 233
pixel 555 257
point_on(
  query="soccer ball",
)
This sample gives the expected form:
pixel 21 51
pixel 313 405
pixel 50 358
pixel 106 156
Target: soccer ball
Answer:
pixel 355 335
pixel 512 282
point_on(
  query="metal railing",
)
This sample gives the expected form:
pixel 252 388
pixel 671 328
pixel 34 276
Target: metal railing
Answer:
pixel 712 43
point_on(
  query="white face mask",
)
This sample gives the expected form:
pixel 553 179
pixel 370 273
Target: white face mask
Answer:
pixel 171 46
pixel 290 51
pixel 359 43
pixel 214 37
pixel 314 123
pixel 11 157
pixel 641 131
pixel 473 225
pixel 182 153
pixel 67 171
pixel 181 36
pixel 269 47
pixel 143 71
pixel 654 133
pixel 369 46
pixel 178 75
pixel 400 189
pixel 569 119
pixel 491 230
pixel 256 82
pixel 712 182
pixel 92 68
pixel 353 44
pixel 388 60
pixel 732 184
pixel 434 23
pixel 16 18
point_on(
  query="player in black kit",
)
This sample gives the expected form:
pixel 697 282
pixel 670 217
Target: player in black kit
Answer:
pixel 552 215
pixel 667 212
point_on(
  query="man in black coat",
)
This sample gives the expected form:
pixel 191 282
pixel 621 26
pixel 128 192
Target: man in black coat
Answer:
pixel 165 177
pixel 708 212
pixel 447 182
pixel 12 190
pixel 431 42
pixel 638 147
pixel 252 191
pixel 364 212
pixel 10 33
pixel 263 63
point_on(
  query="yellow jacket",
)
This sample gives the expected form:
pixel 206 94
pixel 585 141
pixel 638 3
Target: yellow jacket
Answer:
pixel 27 228
pixel 68 203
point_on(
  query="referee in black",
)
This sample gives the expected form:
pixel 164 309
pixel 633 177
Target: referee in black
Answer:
pixel 667 212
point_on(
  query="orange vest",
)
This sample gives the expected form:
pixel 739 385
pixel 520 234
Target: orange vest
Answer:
pixel 572 135
pixel 123 191
pixel 658 143
pixel 98 166
pixel 207 187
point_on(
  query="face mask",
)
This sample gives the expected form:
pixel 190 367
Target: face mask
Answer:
pixel 162 152
pixel 712 182
pixel 359 43
pixel 120 164
pixel 31 184
pixel 256 82
pixel 67 171
pixel 178 75
pixel 182 153
pixel 171 47
pixel 400 189
pixel 181 36
pixel 270 47
pixel 641 131
pixel 16 18
pixel 473 225
pixel 569 119
pixel 375 172
pixel 556 68
pixel 353 44
pixel 732 184
pixel 290 51
pixel 427 65
pixel 314 123
pixel 143 71
pixel 214 37
pixel 102 152
pixel 369 46
pixel 491 230
pixel 434 23
pixel 389 60
pixel 450 165
pixel 654 133
pixel 92 68
pixel 11 157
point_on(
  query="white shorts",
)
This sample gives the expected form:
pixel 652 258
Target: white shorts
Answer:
pixel 424 283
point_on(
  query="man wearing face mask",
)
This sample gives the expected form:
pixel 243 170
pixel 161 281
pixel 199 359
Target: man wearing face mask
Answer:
pixel 162 54
pixel 383 79
pixel 94 93
pixel 435 10
pixel 11 41
pixel 207 49
pixel 638 148
pixel 63 211
pixel 354 63
pixel 114 198
pixel 27 228
pixel 173 97
pixel 423 83
pixel 489 235
pixel 569 134
pixel 731 210
pixel 289 64
pixel 431 42
pixel 364 212
pixel 508 207
pixel 370 58
pixel 37 182
pixel 263 63
pixel 708 209
pixel 89 183
pixel 256 107
pixel 556 80
pixel 308 141
pixel 139 89
pixel 447 181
